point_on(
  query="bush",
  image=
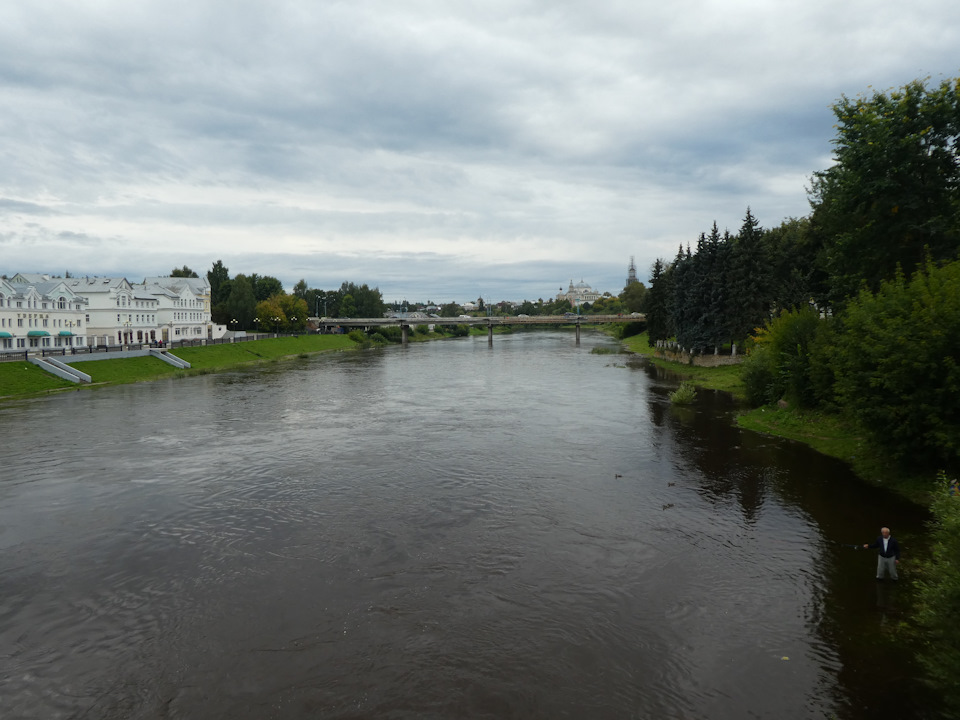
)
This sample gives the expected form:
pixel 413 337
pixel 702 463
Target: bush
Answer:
pixel 683 395
pixel 378 339
pixel 779 363
pixel 460 330
pixel 359 337
pixel 421 329
pixel 897 365
pixel 939 598
pixel 391 333
pixel 759 377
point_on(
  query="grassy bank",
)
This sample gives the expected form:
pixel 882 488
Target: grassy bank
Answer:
pixel 22 379
pixel 726 378
pixel 827 433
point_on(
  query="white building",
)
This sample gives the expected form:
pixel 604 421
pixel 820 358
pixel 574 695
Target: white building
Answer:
pixel 183 312
pixel 116 315
pixel 38 312
pixel 579 294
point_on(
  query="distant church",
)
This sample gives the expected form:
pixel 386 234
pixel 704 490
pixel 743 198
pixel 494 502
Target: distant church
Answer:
pixel 579 294
pixel 631 274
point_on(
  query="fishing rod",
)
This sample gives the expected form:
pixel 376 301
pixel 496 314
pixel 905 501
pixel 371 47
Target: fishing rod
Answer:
pixel 847 545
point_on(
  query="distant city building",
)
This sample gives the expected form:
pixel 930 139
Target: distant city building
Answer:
pixel 631 273
pixel 579 294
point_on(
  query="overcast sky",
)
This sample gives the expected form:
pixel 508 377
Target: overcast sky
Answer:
pixel 438 150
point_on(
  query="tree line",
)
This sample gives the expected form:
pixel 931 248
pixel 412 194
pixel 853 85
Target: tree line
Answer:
pixel 855 310
pixel 259 302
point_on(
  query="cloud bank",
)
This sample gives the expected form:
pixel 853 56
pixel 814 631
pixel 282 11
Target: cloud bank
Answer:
pixel 437 150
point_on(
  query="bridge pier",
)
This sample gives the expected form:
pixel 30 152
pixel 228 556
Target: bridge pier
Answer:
pixel 490 334
pixel 578 333
pixel 404 334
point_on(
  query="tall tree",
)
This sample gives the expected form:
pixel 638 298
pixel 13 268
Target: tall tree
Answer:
pixel 348 306
pixel 266 287
pixel 300 290
pixel 241 304
pixel 367 301
pixel 219 277
pixel 893 195
pixel 749 281
pixel 183 272
pixel 656 303
pixel 632 297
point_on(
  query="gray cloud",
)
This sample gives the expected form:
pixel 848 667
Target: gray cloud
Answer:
pixel 427 147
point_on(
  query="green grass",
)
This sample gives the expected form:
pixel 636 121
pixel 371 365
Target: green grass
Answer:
pixel 725 377
pixel 20 379
pixel 839 437
pixel 23 378
pixel 117 371
pixel 218 357
pixel 827 433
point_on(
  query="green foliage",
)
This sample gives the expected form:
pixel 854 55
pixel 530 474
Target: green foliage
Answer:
pixel 633 296
pixel 939 597
pixel 183 272
pixel 760 377
pixel 241 304
pixel 392 333
pixel 796 270
pixel 450 310
pixel 265 287
pixel 779 364
pixel 893 195
pixel 348 306
pixel 301 290
pixel 219 278
pixel 359 337
pixel 748 285
pixel 378 339
pixel 421 329
pixel 657 304
pixel 459 330
pixel 896 365
pixel 684 395
pixel 366 302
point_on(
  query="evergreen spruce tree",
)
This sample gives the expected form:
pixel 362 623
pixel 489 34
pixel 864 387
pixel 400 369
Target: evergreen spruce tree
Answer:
pixel 749 280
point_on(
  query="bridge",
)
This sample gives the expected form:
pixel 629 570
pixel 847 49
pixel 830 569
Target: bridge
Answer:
pixel 490 322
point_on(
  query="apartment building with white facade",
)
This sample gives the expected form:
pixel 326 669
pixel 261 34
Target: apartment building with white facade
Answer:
pixel 183 310
pixel 116 313
pixel 38 312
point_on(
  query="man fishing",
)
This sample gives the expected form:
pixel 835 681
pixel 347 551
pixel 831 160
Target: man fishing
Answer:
pixel 889 554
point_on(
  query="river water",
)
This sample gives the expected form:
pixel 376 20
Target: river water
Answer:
pixel 444 530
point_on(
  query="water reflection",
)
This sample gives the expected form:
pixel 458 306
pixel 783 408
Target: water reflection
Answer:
pixel 446 529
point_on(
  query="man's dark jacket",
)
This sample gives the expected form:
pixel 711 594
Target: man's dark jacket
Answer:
pixel 893 547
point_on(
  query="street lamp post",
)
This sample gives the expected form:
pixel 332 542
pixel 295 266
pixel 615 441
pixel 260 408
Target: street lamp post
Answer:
pixel 276 325
pixel 293 324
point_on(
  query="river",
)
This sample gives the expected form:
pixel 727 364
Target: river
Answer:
pixel 442 530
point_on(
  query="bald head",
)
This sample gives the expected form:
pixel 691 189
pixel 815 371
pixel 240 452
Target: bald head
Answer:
pixel 885 532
